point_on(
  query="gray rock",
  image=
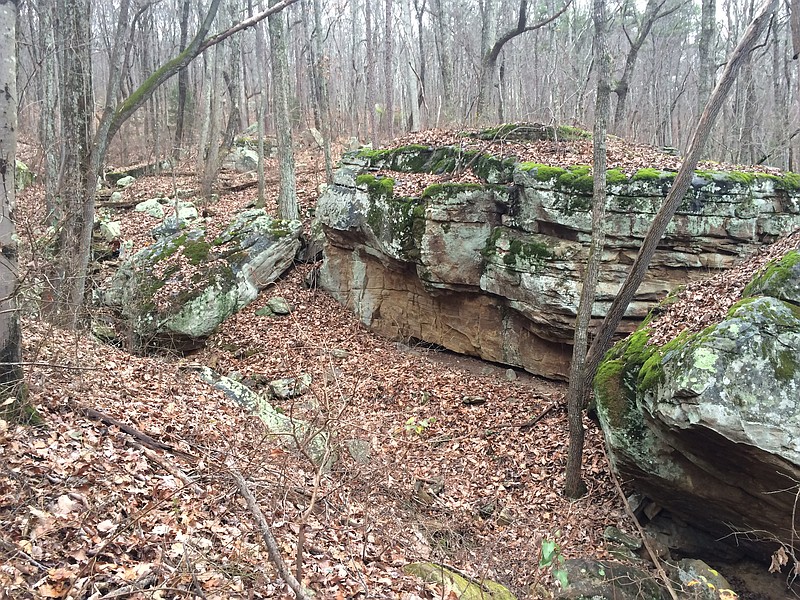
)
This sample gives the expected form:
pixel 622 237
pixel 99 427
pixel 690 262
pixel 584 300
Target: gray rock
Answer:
pixel 279 306
pixel 495 271
pixel 178 290
pixel 708 426
pixel 110 230
pixel 152 207
pixel 290 387
pixel 608 580
pixel 241 159
pixel 124 182
pixel 287 429
pixel 700 581
pixel 360 450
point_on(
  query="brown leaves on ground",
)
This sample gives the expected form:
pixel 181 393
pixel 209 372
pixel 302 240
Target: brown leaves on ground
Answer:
pixel 87 511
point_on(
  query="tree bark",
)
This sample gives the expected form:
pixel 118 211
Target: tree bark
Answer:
pixel 738 57
pixel 705 75
pixel 388 67
pixel 183 84
pixel 287 196
pixel 370 73
pixel 652 12
pixel 321 90
pixel 11 387
pixel 444 49
pixel 578 382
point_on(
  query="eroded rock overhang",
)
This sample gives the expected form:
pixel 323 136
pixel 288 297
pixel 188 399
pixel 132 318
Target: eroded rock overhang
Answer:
pixel 485 255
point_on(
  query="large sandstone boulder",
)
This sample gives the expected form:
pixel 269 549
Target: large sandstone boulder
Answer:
pixel 708 424
pixel 494 269
pixel 178 290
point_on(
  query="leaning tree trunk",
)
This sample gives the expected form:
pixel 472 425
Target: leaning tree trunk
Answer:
pixel 11 387
pixel 183 85
pixel 287 196
pixel 683 179
pixel 578 381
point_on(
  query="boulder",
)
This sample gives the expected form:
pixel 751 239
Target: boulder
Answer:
pixel 608 580
pixel 152 207
pixel 708 424
pixel 125 181
pixel 241 159
pixel 178 290
pixel 494 269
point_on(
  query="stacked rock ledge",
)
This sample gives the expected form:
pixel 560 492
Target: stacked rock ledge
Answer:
pixel 492 267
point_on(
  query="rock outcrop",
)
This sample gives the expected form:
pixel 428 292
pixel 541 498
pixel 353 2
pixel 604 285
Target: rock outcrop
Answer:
pixel 178 290
pixel 707 425
pixel 492 267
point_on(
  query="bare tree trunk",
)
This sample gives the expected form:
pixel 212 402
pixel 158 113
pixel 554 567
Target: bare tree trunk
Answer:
pixel 183 84
pixel 444 48
pixel 11 387
pixel 578 381
pixel 64 301
pixel 321 90
pixel 388 66
pixel 652 12
pixel 287 196
pixel 49 106
pixel 705 76
pixel 683 179
pixel 370 73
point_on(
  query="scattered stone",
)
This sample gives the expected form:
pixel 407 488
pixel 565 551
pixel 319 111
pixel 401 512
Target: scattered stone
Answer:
pixel 110 230
pixel 340 354
pixel 116 196
pixel 287 429
pixel 608 580
pixel 290 387
pixel 473 400
pixel 462 586
pixel 700 580
pixel 511 375
pixel 152 207
pixel 360 450
pixel 124 182
pixel 241 159
pixel 506 516
pixel 279 305
pixel 265 311
pixel 612 534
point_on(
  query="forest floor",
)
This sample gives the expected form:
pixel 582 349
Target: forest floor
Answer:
pixel 449 467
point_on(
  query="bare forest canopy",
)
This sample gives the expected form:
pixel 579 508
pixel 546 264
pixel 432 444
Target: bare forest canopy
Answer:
pixel 404 65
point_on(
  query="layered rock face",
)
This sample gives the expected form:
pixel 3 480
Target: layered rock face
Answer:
pixel 708 425
pixel 493 269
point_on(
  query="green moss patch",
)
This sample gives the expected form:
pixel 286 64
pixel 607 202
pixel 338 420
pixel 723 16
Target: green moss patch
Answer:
pixel 775 276
pixel 449 189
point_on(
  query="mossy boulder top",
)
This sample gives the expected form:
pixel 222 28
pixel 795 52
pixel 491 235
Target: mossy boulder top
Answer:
pixel 708 424
pixel 178 290
pixel 484 254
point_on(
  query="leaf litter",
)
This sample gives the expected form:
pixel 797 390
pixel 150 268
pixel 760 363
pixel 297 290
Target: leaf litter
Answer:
pixel 90 512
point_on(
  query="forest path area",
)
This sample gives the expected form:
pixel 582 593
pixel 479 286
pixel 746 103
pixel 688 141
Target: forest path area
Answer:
pixel 437 458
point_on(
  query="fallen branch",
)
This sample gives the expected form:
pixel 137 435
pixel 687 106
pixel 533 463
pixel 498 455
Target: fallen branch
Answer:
pixel 142 437
pixel 266 534
pixel 170 468
pixel 645 540
pixel 12 548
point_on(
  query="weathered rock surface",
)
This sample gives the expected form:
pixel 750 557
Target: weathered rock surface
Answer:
pixel 494 270
pixel 708 425
pixel 178 290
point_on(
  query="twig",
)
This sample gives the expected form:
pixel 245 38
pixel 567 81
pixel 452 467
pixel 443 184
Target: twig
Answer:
pixel 26 556
pixel 127 590
pixel 542 415
pixel 266 534
pixel 142 437
pixel 170 468
pixel 645 540
pixel 51 366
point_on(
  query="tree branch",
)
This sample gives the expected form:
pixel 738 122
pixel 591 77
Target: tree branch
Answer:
pixel 522 27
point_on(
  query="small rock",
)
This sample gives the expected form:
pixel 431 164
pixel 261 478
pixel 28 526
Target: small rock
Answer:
pixel 152 207
pixel 110 230
pixel 511 375
pixel 290 387
pixel 116 197
pixel 473 400
pixel 265 311
pixel 279 305
pixel 506 516
pixel 612 534
pixel 360 450
pixel 337 353
pixel 124 182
